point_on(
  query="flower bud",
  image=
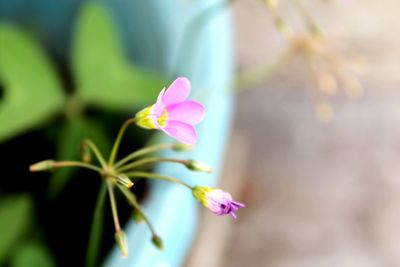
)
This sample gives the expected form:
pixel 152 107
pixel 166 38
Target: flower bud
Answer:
pixel 122 242
pixel 198 166
pixel 44 165
pixel 216 200
pixel 181 147
pixel 157 242
pixel 86 155
pixel 124 180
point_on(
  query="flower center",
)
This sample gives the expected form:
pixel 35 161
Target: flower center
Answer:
pixel 162 120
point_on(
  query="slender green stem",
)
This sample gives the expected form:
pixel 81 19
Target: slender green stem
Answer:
pixel 146 161
pixel 61 164
pixel 118 140
pixel 132 200
pixel 96 151
pixel 143 151
pixel 148 175
pixel 97 228
pixel 110 187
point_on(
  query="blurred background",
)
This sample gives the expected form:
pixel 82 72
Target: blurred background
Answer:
pixel 320 191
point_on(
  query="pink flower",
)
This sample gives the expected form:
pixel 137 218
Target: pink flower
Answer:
pixel 173 113
pixel 218 201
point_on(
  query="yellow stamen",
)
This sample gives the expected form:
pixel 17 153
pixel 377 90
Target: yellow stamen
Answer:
pixel 162 120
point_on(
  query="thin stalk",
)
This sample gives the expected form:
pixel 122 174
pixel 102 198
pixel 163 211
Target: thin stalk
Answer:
pixel 96 151
pixel 114 210
pixel 155 176
pixel 118 140
pixel 132 200
pixel 148 161
pixel 97 228
pixel 141 152
pixel 60 164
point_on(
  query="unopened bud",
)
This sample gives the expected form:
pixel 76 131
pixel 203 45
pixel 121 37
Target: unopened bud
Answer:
pixel 122 242
pixel 86 155
pixel 198 166
pixel 181 147
pixel 218 201
pixel 124 180
pixel 157 242
pixel 44 165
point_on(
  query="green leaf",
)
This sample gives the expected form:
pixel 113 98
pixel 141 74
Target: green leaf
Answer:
pixel 104 76
pixel 32 254
pixel 68 148
pixel 32 90
pixel 97 228
pixel 15 218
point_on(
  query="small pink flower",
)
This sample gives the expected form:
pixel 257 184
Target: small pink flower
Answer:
pixel 218 201
pixel 173 113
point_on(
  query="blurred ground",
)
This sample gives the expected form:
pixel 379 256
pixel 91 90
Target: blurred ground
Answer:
pixel 320 194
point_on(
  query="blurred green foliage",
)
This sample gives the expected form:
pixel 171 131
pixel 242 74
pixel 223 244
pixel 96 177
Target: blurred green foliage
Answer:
pixel 34 94
pixel 32 254
pixel 32 89
pixel 103 76
pixel 15 220
pixel 68 147
pixel 102 73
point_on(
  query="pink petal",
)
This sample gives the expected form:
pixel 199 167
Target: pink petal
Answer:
pixel 177 92
pixel 183 132
pixel 190 112
pixel 159 106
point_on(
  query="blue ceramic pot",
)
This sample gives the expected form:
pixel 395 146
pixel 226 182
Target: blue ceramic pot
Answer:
pixel 194 39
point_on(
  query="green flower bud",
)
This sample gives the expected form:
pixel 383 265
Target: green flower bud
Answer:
pixel 181 147
pixel 86 155
pixel 44 165
pixel 157 242
pixel 198 166
pixel 122 242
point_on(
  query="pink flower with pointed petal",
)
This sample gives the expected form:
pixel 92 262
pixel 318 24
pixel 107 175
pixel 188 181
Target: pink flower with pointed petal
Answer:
pixel 173 113
pixel 216 200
